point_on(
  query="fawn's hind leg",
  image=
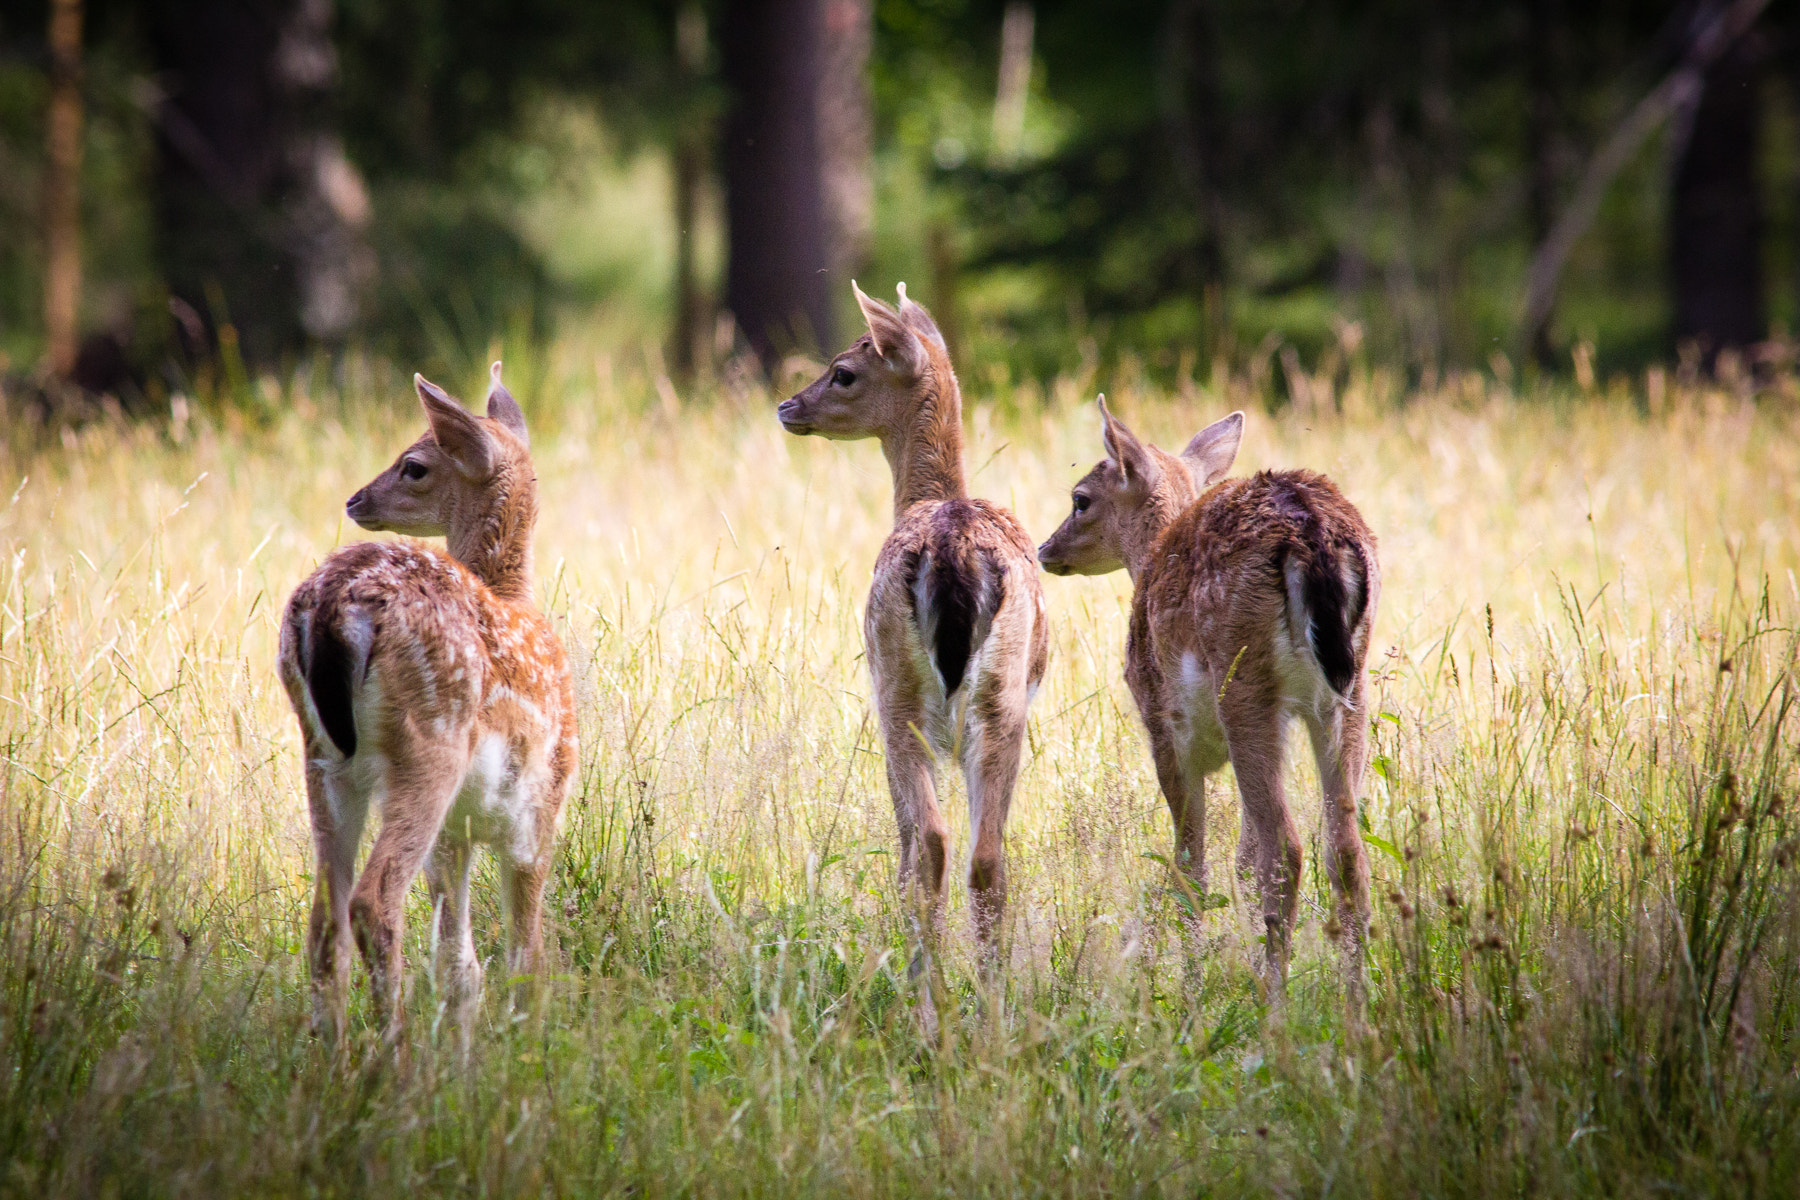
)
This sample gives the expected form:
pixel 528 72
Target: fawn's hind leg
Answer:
pixel 412 816
pixel 458 968
pixel 1340 742
pixel 1255 733
pixel 337 812
pixel 924 841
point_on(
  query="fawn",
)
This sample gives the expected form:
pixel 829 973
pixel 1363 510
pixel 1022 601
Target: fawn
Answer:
pixel 429 684
pixel 955 629
pixel 1252 602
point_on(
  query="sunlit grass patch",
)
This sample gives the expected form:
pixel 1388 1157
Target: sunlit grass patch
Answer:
pixel 1579 822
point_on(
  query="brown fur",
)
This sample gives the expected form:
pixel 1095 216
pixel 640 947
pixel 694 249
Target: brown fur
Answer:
pixel 952 566
pixel 459 703
pixel 1234 593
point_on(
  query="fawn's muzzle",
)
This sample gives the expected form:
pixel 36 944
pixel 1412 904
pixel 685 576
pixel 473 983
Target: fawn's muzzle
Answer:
pixel 357 508
pixel 789 415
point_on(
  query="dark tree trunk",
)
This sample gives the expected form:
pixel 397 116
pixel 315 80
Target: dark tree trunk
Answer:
pixel 690 169
pixel 1716 213
pixel 1196 125
pixel 846 135
pixel 258 212
pixel 62 189
pixel 776 282
pixel 1543 35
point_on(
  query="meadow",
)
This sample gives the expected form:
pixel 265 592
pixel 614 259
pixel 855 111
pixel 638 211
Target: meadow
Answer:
pixel 1580 818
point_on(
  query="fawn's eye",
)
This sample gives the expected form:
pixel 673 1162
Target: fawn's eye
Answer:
pixel 412 468
pixel 1081 503
pixel 842 377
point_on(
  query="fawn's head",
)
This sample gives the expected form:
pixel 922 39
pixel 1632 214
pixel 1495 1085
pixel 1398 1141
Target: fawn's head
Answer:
pixel 1133 493
pixel 468 479
pixel 875 388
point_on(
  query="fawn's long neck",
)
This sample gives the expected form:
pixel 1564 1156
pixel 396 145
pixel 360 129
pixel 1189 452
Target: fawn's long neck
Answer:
pixel 1173 494
pixel 496 543
pixel 925 455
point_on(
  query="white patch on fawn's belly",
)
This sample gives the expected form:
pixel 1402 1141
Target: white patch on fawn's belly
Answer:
pixel 1195 719
pixel 493 805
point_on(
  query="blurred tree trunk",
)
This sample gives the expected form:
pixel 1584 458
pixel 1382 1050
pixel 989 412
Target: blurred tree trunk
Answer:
pixel 1196 122
pixel 846 135
pixel 1013 85
pixel 1716 211
pixel 690 171
pixel 780 254
pixel 62 189
pixel 259 213
pixel 1543 35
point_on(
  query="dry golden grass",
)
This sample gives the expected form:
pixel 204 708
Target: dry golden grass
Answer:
pixel 1562 577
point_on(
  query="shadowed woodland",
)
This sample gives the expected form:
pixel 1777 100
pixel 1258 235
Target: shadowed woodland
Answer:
pixel 1185 182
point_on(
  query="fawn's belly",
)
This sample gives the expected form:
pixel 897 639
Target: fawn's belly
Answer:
pixel 497 803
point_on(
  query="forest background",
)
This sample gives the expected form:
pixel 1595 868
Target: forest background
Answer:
pixel 1506 187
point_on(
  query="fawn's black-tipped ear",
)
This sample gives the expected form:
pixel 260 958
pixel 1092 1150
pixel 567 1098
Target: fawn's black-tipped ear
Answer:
pixel 1214 448
pixel 894 341
pixel 456 431
pixel 502 407
pixel 918 320
pixel 1135 462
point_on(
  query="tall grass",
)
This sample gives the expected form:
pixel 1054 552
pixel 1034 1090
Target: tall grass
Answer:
pixel 1580 818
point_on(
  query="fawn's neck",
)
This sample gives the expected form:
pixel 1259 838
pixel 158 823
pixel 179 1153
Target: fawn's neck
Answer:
pixel 1173 494
pixel 496 543
pixel 925 454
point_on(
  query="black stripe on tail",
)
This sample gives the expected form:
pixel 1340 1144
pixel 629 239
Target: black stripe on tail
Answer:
pixel 953 594
pixel 1332 613
pixel 330 670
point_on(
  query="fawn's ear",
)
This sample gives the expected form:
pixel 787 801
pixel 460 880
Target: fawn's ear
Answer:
pixel 1211 452
pixel 918 320
pixel 503 408
pixel 1135 463
pixel 456 431
pixel 896 343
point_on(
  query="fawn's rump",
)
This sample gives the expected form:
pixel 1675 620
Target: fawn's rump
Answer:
pixel 1326 571
pixel 956 586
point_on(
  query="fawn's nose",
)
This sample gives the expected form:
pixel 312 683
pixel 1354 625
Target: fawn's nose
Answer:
pixel 788 413
pixel 1048 561
pixel 353 507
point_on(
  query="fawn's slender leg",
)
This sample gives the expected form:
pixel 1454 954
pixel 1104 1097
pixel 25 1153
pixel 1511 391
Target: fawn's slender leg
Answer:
pixel 1340 745
pixel 337 812
pixel 1186 799
pixel 924 837
pixel 1254 726
pixel 991 751
pixel 458 968
pixel 524 890
pixel 413 814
